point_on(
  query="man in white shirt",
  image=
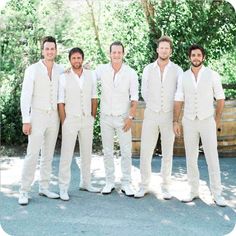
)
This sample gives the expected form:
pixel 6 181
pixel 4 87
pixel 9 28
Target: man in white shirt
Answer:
pixel 119 97
pixel 159 83
pixel 40 119
pixel 77 103
pixel 197 89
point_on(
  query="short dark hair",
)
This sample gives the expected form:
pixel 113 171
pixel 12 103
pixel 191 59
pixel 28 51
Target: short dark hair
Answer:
pixel 49 39
pixel 117 43
pixel 165 38
pixel 76 50
pixel 194 47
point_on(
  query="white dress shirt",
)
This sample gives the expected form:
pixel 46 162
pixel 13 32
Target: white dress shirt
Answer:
pixel 145 76
pixel 28 85
pixel 130 73
pixel 80 80
pixel 216 84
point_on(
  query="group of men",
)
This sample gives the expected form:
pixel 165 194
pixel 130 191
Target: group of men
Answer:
pixel 48 90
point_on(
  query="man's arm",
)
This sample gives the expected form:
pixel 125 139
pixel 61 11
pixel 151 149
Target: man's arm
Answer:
pixel 94 104
pixel 219 96
pixel 61 111
pixel 144 84
pixel 25 101
pixel 177 109
pixel 219 110
pixel 128 121
pixel 134 100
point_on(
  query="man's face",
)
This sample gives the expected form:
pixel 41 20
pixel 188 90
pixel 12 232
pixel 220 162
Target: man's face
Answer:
pixel 49 51
pixel 116 54
pixel 76 60
pixel 196 58
pixel 164 50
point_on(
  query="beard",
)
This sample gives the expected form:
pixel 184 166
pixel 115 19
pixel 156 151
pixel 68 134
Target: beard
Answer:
pixel 76 67
pixel 164 58
pixel 197 63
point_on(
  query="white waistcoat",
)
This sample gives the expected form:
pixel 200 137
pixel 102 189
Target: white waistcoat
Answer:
pixel 115 97
pixel 198 100
pixel 78 101
pixel 45 90
pixel 160 94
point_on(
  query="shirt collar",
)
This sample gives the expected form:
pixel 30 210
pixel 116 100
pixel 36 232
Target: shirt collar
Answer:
pixel 200 71
pixel 155 64
pixel 74 74
pixel 112 69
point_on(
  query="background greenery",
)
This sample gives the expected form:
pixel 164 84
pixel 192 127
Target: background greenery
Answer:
pixel 93 25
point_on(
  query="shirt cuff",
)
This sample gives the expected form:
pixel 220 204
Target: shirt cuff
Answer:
pixel 60 101
pixel 220 97
pixel 179 97
pixel 25 119
pixel 134 98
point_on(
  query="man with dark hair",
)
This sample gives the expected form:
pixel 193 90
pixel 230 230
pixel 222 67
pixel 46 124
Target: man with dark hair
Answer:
pixel 119 96
pixel 159 83
pixel 40 119
pixel 197 89
pixel 77 103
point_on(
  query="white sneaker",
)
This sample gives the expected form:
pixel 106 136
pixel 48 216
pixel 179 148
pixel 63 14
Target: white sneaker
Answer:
pixel 64 195
pixel 219 200
pixel 192 196
pixel 108 188
pixel 141 193
pixel 90 188
pixel 47 193
pixel 127 190
pixel 166 194
pixel 23 198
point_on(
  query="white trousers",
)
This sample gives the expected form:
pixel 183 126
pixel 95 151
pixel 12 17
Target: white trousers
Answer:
pixel 206 129
pixel 44 133
pixel 110 125
pixel 153 123
pixel 73 127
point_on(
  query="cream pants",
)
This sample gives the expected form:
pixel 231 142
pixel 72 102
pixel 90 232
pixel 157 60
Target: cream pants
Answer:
pixel 73 127
pixel 43 137
pixel 206 129
pixel 110 125
pixel 153 123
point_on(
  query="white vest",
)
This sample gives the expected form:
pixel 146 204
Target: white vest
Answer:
pixel 77 101
pixel 198 100
pixel 160 94
pixel 115 97
pixel 45 90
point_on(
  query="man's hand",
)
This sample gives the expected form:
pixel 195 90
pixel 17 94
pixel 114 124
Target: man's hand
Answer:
pixel 177 129
pixel 127 124
pixel 218 124
pixel 26 128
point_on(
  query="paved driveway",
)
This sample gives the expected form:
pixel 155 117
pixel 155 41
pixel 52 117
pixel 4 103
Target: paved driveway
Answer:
pixel 115 214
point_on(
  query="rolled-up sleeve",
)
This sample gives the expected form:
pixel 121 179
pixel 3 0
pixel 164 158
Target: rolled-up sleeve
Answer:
pixel 179 95
pixel 94 87
pixel 61 89
pixel 217 87
pixel 26 94
pixel 134 86
pixel 144 85
pixel 98 72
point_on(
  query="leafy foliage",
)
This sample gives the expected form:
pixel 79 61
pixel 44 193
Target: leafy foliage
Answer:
pixel 93 25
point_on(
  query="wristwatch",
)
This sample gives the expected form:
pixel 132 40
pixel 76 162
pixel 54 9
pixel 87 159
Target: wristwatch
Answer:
pixel 131 117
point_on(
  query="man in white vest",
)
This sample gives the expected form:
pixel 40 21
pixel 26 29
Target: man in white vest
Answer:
pixel 77 103
pixel 159 83
pixel 197 89
pixel 119 97
pixel 40 119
